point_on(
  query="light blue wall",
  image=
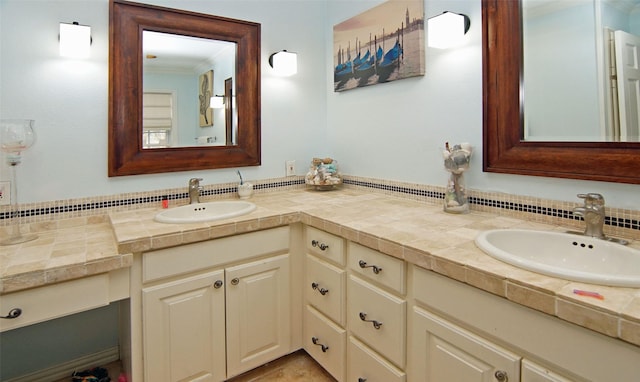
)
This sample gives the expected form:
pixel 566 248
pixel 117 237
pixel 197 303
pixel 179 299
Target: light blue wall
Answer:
pixel 185 88
pixel 396 130
pixel 392 131
pixel 69 98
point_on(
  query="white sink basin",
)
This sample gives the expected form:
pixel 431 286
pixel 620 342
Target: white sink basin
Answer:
pixel 203 212
pixel 564 255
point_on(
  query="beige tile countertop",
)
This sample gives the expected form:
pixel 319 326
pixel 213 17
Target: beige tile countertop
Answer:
pixel 419 233
pixel 64 250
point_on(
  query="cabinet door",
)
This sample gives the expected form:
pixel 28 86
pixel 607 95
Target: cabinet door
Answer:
pixel 183 330
pixel 442 351
pixel 258 313
pixel 532 372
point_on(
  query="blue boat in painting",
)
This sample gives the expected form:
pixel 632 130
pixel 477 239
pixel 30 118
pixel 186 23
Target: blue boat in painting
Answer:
pixel 361 60
pixel 389 62
pixel 365 67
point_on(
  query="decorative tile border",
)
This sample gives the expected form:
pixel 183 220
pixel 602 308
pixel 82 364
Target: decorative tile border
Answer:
pixel 619 222
pixel 101 205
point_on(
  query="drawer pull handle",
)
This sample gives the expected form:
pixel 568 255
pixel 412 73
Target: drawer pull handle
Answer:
pixel 320 245
pixel 362 379
pixel 13 313
pixel 322 291
pixel 315 342
pixel 218 284
pixel 376 324
pixel 235 281
pixel 501 376
pixel 363 264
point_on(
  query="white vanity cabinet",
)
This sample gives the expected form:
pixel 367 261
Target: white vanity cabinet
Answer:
pixel 184 329
pixel 324 333
pixel 258 313
pixel 446 352
pixel 532 372
pixel 463 334
pixel 376 315
pixel 215 309
pixel 31 306
pixel 355 312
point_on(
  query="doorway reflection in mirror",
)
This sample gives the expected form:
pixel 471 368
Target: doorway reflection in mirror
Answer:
pixel 578 84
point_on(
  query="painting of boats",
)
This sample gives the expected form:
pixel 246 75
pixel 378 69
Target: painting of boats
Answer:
pixel 382 44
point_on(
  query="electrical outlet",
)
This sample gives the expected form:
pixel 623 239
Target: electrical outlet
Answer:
pixel 5 193
pixel 290 167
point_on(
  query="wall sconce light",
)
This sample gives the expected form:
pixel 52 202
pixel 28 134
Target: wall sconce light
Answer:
pixel 284 63
pixel 447 29
pixel 75 40
pixel 217 102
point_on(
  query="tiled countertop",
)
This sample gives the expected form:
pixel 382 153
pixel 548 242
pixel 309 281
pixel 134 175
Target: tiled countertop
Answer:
pixel 419 233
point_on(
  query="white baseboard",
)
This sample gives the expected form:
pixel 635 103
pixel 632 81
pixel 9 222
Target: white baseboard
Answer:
pixel 63 370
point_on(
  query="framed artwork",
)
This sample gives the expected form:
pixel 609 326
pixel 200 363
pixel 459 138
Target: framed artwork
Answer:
pixel 204 97
pixel 385 43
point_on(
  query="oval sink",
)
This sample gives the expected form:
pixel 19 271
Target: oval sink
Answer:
pixel 203 212
pixel 564 255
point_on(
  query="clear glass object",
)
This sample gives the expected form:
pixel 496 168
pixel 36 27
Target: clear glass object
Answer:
pixel 323 174
pixel 455 198
pixel 456 162
pixel 16 136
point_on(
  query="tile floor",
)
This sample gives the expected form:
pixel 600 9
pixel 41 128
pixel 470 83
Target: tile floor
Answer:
pixel 296 367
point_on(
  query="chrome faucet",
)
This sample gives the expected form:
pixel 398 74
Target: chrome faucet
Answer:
pixel 593 214
pixel 194 190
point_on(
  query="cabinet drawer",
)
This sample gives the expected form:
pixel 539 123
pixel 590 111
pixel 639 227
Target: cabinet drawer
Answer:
pixel 325 245
pixel 200 256
pixel 374 304
pixel 53 301
pixel 326 334
pixel 381 268
pixel 365 364
pixel 325 288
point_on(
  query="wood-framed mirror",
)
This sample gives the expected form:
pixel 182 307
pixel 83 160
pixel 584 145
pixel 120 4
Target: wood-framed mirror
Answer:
pixel 127 23
pixel 504 149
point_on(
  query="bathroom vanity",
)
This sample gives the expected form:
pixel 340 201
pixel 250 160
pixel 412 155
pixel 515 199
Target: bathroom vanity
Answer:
pixel 373 287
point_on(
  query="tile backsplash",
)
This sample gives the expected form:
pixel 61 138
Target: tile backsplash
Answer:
pixel 43 215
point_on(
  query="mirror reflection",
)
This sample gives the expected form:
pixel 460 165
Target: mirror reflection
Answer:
pixel 188 91
pixel 581 74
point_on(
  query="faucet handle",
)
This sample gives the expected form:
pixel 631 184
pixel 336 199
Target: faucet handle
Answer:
pixel 592 198
pixel 195 181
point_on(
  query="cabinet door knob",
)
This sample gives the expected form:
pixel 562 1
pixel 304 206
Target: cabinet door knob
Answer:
pixel 218 284
pixel 363 264
pixel 320 245
pixel 501 376
pixel 315 342
pixel 235 281
pixel 376 324
pixel 322 291
pixel 13 313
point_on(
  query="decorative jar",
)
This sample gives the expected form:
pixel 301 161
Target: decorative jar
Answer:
pixel 323 174
pixel 456 161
